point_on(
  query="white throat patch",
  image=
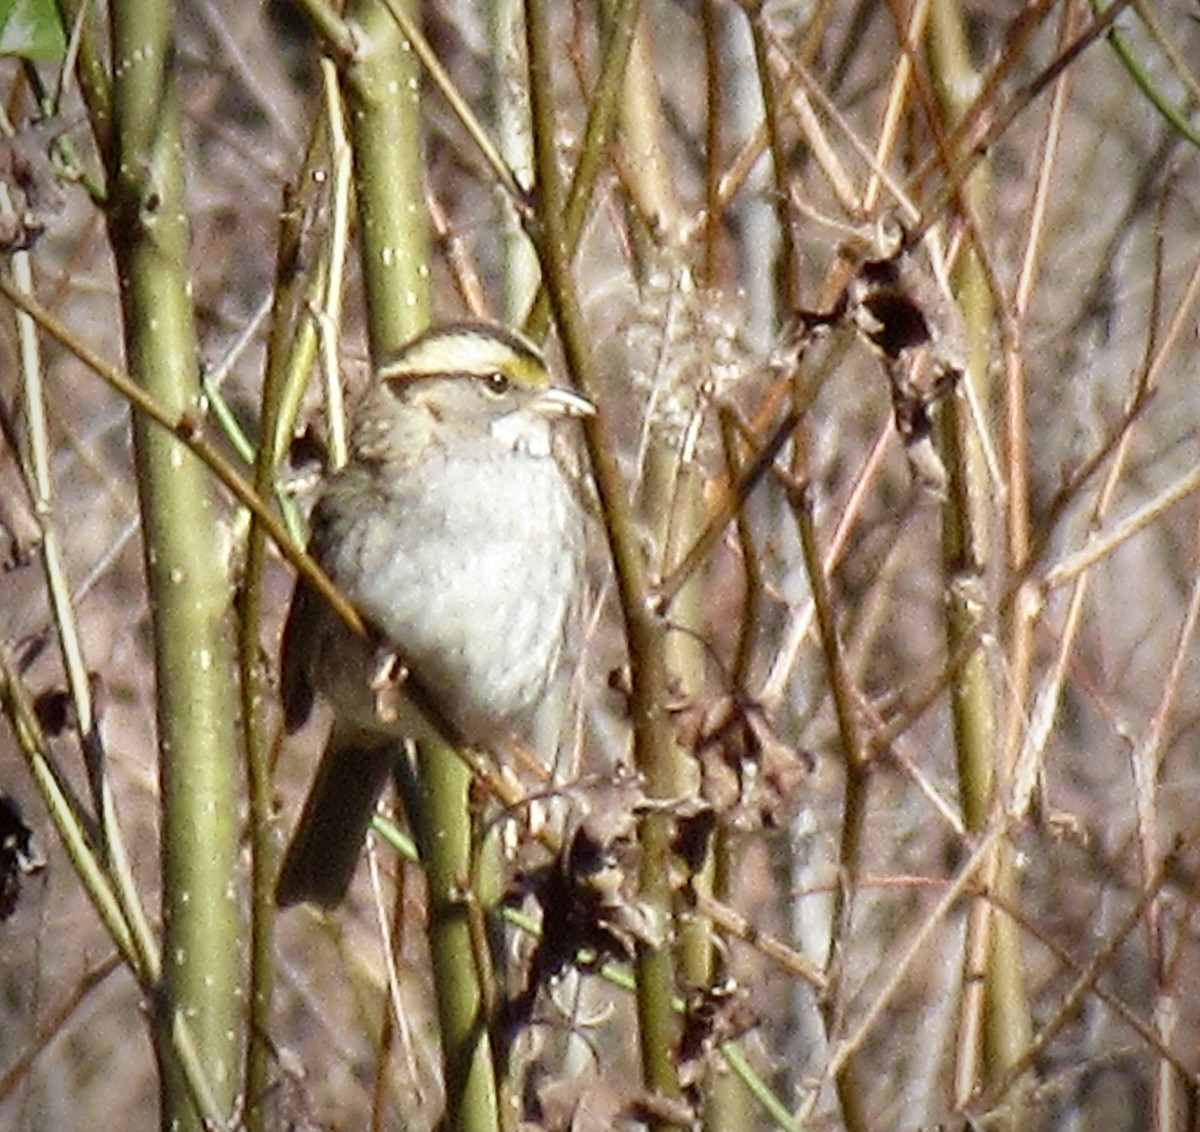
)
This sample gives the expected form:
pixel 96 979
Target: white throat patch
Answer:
pixel 519 432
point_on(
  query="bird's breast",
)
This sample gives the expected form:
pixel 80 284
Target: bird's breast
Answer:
pixel 471 569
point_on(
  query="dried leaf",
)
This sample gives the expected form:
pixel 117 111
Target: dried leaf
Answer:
pixel 895 302
pixel 748 775
pixel 587 897
pixel 583 1102
pixel 712 1016
pixel 35 192
pixel 19 856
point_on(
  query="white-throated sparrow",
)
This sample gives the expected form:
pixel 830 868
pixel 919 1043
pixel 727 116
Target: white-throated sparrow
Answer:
pixel 457 533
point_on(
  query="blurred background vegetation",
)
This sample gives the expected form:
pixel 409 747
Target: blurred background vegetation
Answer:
pixel 911 840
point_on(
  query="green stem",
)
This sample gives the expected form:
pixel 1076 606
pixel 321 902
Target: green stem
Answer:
pixel 446 830
pixel 993 948
pixel 186 574
pixel 602 115
pixel 382 86
pixel 1173 114
pixel 653 743
pixel 291 349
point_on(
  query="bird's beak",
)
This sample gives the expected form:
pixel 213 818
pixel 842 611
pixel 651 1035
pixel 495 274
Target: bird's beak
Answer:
pixel 558 401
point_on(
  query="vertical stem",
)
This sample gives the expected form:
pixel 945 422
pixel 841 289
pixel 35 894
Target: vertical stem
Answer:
pixel 1000 1015
pixel 654 753
pixel 291 348
pixel 789 264
pixel 383 94
pixel 383 91
pixel 856 772
pixel 674 508
pixel 510 118
pixel 445 828
pixel 186 572
pixel 710 23
pixel 602 114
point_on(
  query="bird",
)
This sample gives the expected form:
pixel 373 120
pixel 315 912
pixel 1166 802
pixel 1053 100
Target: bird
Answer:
pixel 456 530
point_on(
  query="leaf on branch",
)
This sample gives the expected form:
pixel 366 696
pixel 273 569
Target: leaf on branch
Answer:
pixel 32 29
pixel 19 856
pixel 581 1102
pixel 587 898
pixel 712 1016
pixel 898 307
pixel 55 711
pixel 35 192
pixel 749 776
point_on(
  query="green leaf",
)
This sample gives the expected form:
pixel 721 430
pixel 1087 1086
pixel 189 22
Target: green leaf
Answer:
pixel 31 29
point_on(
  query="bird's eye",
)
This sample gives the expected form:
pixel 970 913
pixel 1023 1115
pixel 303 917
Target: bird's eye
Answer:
pixel 497 383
